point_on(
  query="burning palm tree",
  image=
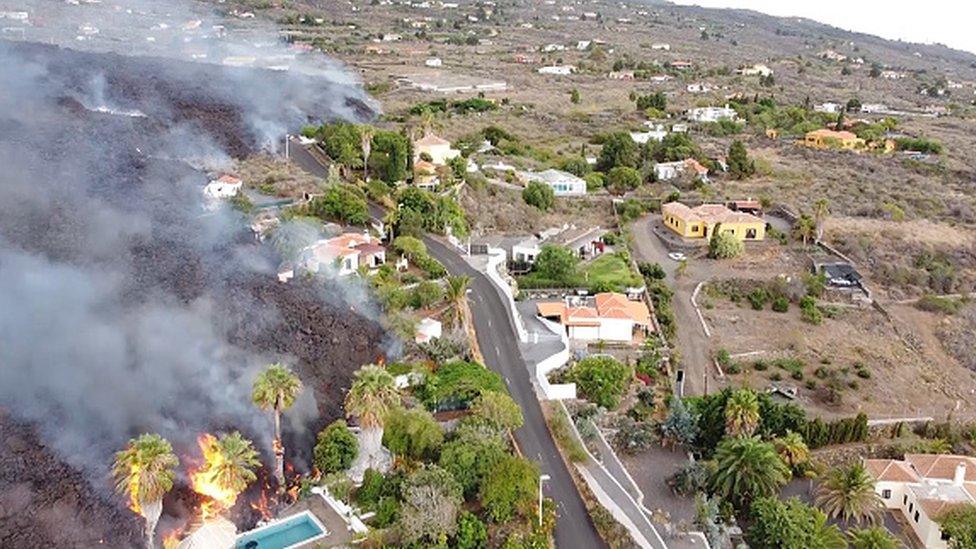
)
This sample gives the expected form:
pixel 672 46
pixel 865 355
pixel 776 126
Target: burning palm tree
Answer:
pixel 275 389
pixel 145 471
pixel 372 395
pixel 229 464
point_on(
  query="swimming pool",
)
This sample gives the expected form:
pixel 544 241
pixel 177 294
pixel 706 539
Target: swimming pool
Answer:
pixel 290 532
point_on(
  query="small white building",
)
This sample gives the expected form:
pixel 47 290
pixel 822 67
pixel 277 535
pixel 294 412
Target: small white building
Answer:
pixel 666 171
pixel 661 46
pixel 893 75
pixel 549 48
pixel 923 486
pixel 874 108
pixel 439 150
pixel 699 87
pixel 560 70
pixel 428 330
pixel 828 107
pixel 225 186
pixel 755 70
pixel 562 183
pixel 656 134
pixel 583 45
pixel 433 62
pixel 712 114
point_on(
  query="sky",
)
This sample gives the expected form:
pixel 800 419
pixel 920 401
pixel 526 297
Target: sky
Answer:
pixel 947 22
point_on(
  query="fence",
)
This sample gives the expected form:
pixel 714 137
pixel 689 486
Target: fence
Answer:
pixel 561 391
pixel 496 257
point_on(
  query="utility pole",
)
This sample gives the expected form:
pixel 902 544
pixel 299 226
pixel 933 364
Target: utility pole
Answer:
pixel 541 478
pixel 287 139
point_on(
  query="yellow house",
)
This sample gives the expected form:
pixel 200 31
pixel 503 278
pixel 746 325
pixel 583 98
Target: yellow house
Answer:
pixel 830 139
pixel 701 221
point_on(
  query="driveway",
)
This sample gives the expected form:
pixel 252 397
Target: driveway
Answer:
pixel 692 344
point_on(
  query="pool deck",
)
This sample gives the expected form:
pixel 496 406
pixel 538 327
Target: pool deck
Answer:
pixel 338 528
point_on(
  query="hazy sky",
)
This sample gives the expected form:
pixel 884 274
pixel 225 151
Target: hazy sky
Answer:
pixel 949 22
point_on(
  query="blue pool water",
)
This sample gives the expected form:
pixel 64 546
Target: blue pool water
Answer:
pixel 297 529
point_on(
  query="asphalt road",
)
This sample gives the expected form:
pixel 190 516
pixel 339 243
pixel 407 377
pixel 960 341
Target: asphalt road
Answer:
pixel 499 346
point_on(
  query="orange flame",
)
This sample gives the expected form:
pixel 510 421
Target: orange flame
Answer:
pixel 262 506
pixel 206 483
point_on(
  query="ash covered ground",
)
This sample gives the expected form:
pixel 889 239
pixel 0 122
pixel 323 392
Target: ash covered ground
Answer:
pixel 125 309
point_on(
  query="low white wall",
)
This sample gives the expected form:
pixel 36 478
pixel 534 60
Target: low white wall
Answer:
pixel 496 257
pixel 562 391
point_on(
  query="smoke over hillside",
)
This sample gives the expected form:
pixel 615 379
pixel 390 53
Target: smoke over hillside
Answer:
pixel 123 307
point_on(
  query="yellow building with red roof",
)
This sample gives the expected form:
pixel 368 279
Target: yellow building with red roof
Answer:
pixel 701 221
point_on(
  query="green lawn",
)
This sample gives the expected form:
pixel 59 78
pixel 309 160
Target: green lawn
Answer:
pixel 610 271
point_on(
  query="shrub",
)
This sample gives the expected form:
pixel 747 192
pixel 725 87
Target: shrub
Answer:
pixel 509 489
pixel 455 384
pixel 809 311
pixel 758 298
pixel 760 365
pixel 622 179
pixel 412 433
pixel 601 380
pixel 723 245
pixel 723 358
pixel 336 448
pixel 781 304
pixel 540 195
pixel 937 304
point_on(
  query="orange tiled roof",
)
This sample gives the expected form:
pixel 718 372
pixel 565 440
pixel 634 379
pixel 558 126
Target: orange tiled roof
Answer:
pixel 935 507
pixel 430 140
pixel 941 466
pixel 608 305
pixel 708 213
pixel 890 470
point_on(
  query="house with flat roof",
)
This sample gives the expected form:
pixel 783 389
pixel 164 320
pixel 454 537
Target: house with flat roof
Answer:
pixel 562 183
pixel 607 316
pixel 832 139
pixel 666 171
pixel 702 221
pixel 923 486
pixel 713 114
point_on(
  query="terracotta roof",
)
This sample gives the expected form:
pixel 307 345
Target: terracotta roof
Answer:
pixel 229 179
pixel 890 470
pixel 551 309
pixel 422 166
pixel 824 132
pixel 696 165
pixel 608 305
pixel 430 140
pixel 941 466
pixel 935 507
pixel 708 213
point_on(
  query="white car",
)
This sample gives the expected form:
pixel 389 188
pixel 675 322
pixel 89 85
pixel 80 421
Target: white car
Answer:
pixel 677 256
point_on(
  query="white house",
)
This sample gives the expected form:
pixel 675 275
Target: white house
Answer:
pixel 434 62
pixel 428 329
pixel 874 108
pixel 439 150
pixel 828 107
pixel 666 171
pixel 661 46
pixel 893 75
pixel 606 317
pixel 699 87
pixel 656 134
pixel 583 45
pixel 755 70
pixel 345 253
pixel 561 70
pixel 225 186
pixel 549 48
pixel 712 114
pixel 923 486
pixel 562 183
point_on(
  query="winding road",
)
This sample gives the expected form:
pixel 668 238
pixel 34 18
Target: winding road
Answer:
pixel 499 346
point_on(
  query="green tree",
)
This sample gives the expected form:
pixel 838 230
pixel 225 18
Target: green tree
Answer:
pixel 742 413
pixel 431 501
pixel 471 532
pixel 426 294
pixel 740 165
pixel 470 455
pixel 574 96
pixel 848 493
pixel 366 145
pixel 959 523
pixel 540 195
pixel 746 469
pixel 336 448
pixel 456 294
pixel 372 396
pixel 343 203
pixel 456 384
pixel 390 156
pixel 674 146
pixel 723 244
pixel 792 449
pixel 821 210
pixel 510 488
pixel 556 263
pixel 410 247
pixel 805 228
pixel 276 389
pixel 497 410
pixel 657 101
pixel 601 379
pixel 341 142
pixel 680 426
pixel 576 165
pixel 622 179
pixel 144 472
pixel 619 149
pixel 791 524
pixel 413 433
pixel 875 537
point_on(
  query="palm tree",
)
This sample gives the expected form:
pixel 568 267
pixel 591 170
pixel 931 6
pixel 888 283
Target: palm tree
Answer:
pixel 372 395
pixel 821 209
pixel 231 461
pixel 457 290
pixel 747 468
pixel 849 493
pixel 275 389
pixel 145 471
pixel 741 413
pixel 872 538
pixel 805 228
pixel 792 449
pixel 366 143
pixel 824 535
